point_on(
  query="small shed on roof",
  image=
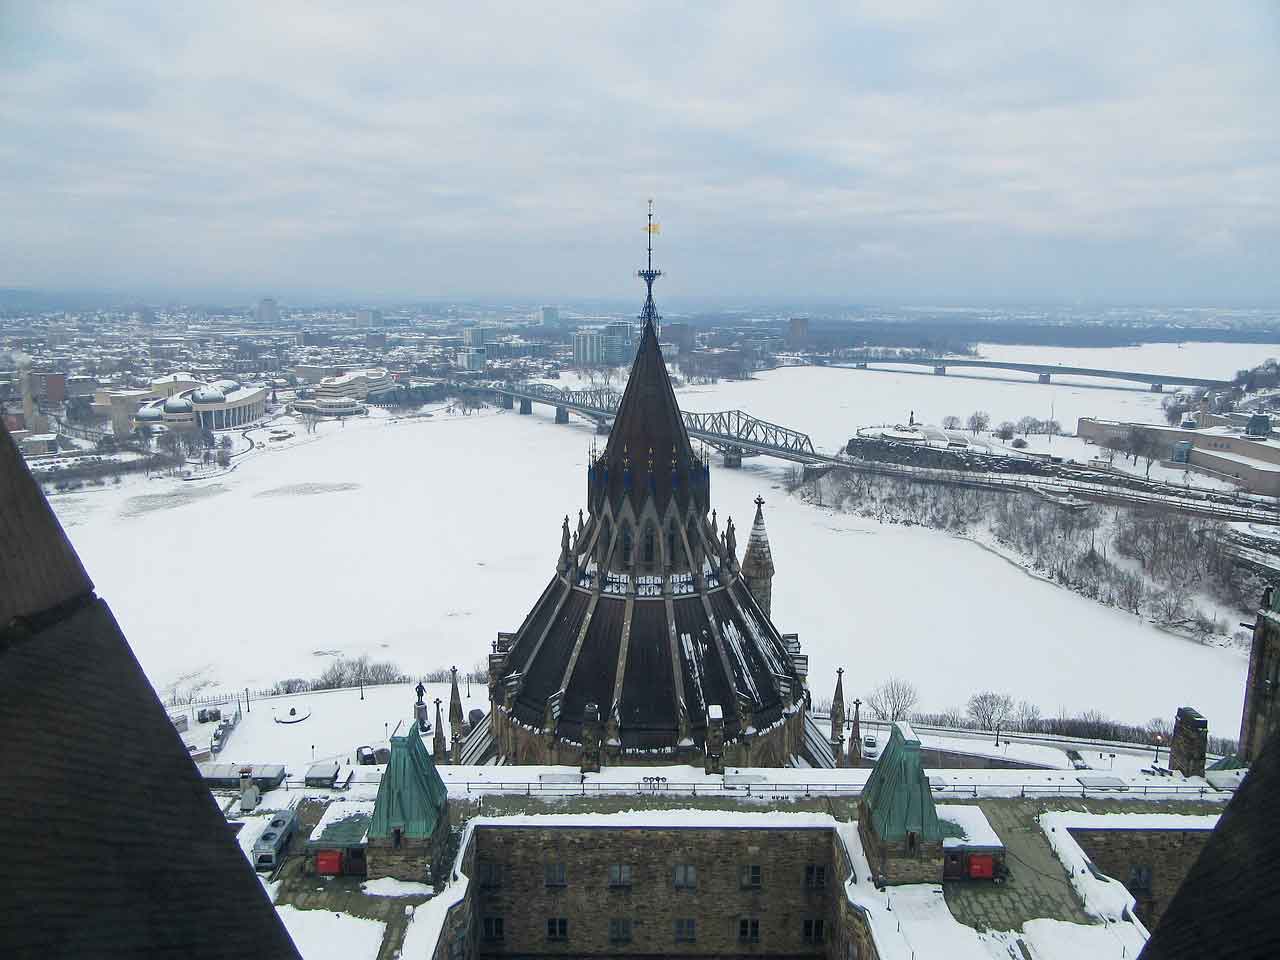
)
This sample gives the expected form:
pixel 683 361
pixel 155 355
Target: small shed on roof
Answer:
pixel 897 794
pixel 411 797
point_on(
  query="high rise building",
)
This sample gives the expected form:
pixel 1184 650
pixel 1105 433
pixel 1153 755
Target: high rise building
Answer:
pixel 619 344
pixel 550 316
pixel 589 348
pixel 474 336
pixel 797 332
pixel 368 318
pixel 267 312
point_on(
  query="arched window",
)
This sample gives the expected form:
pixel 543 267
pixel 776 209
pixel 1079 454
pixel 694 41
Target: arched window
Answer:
pixel 626 544
pixel 650 546
pixel 671 541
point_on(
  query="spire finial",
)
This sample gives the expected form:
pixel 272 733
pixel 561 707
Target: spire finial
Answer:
pixel 650 312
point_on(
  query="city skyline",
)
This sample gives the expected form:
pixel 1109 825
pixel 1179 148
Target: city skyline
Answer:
pixel 926 155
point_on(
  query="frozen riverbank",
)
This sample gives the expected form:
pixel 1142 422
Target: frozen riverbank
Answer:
pixel 418 541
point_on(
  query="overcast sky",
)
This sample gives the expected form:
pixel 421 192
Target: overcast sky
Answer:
pixel 934 151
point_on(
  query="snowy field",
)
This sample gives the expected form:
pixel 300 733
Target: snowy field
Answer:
pixel 416 541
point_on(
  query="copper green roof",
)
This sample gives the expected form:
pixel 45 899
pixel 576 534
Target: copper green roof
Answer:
pixel 897 792
pixel 411 797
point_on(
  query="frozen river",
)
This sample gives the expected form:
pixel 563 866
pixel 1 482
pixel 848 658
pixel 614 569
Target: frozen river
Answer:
pixel 418 541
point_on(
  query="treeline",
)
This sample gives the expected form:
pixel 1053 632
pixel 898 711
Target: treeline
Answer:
pixel 1148 562
pixel 895 699
pixel 346 672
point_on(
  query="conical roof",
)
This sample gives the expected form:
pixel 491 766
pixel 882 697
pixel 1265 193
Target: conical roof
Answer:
pixel 897 793
pixel 759 557
pixel 648 452
pixel 411 796
pixel 106 814
pixel 455 700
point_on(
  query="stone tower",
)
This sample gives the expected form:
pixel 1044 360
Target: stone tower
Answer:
pixel 648 644
pixel 757 565
pixel 1262 688
pixel 837 719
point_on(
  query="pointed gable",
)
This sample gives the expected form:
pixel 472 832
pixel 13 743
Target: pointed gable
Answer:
pixel 113 841
pixel 411 796
pixel 897 792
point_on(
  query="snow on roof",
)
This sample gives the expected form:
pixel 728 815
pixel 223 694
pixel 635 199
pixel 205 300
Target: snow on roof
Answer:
pixel 1104 896
pixel 975 829
pixel 344 822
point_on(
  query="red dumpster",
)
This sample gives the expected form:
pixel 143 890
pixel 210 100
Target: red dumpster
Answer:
pixel 982 866
pixel 329 863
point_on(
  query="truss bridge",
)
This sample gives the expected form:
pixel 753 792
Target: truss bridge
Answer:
pixel 735 433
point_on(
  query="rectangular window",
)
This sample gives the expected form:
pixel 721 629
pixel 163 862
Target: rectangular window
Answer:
pixel 686 930
pixel 1140 879
pixel 751 876
pixel 492 929
pixel 815 876
pixel 557 928
pixel 749 930
pixel 619 874
pixel 686 876
pixel 553 874
pixel 813 930
pixel 491 873
pixel 620 930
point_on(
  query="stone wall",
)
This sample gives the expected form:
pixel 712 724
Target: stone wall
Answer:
pixel 850 933
pixel 419 861
pixel 458 932
pixel 1131 857
pixel 1189 742
pixel 651 902
pixel 895 860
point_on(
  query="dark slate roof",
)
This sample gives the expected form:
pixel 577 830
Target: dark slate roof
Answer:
pixel 113 844
pixel 1229 904
pixel 648 450
pixel 647 711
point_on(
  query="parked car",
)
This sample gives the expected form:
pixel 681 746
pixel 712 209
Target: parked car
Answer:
pixel 870 748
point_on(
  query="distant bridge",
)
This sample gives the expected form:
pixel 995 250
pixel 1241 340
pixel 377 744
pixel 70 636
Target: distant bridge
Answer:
pixel 738 434
pixel 734 433
pixel 1044 371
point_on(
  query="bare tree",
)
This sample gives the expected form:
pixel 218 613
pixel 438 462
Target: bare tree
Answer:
pixel 1026 717
pixel 978 420
pixel 990 709
pixel 951 422
pixel 893 700
pixel 1006 430
pixel 1026 425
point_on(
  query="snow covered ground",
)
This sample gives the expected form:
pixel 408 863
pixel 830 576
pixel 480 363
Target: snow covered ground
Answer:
pixel 416 541
pixel 320 934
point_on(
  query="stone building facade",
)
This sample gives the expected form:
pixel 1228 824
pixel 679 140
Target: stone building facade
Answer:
pixel 1150 863
pixel 646 891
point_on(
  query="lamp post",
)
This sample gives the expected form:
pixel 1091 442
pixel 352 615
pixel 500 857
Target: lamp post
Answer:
pixel 1157 760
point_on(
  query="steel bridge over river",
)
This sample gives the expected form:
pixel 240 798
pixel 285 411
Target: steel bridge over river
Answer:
pixel 737 434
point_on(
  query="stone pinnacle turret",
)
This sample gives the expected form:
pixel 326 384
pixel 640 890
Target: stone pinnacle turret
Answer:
pixel 757 565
